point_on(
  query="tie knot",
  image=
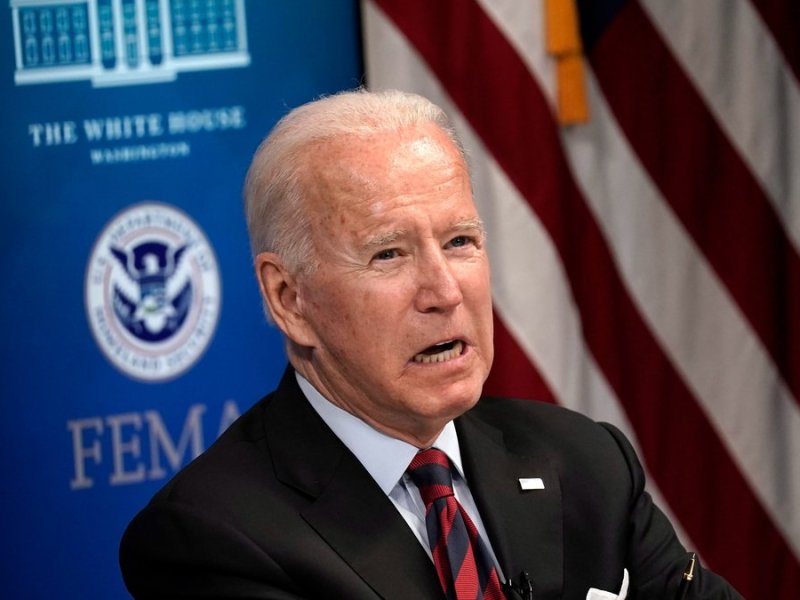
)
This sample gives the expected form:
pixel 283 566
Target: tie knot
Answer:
pixel 430 472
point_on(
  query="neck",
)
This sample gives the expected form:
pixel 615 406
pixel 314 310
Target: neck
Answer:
pixel 415 431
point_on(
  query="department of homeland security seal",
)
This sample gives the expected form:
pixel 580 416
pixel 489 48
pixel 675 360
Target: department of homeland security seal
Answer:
pixel 152 292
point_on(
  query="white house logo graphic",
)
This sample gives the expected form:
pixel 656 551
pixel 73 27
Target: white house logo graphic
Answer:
pixel 124 42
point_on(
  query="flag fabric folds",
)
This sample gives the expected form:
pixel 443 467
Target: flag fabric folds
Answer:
pixel 646 261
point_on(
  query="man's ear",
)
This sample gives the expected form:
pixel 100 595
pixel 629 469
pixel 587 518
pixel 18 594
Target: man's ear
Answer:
pixel 280 293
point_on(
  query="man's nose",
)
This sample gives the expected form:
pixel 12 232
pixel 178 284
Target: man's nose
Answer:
pixel 438 288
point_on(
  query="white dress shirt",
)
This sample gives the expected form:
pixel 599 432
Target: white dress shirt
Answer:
pixel 386 459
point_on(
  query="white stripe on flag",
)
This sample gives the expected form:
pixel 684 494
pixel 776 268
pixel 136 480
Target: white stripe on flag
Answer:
pixel 719 357
pixel 735 64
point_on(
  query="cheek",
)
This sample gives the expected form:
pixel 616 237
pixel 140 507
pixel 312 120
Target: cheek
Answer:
pixel 371 311
pixel 344 317
pixel 476 284
pixel 325 311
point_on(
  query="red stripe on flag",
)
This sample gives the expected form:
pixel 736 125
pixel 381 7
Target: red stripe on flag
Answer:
pixel 513 374
pixel 783 20
pixel 493 89
pixel 705 181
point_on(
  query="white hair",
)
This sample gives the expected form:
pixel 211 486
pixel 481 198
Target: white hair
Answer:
pixel 273 191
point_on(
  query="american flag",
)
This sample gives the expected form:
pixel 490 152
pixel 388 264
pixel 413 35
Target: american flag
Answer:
pixel 645 261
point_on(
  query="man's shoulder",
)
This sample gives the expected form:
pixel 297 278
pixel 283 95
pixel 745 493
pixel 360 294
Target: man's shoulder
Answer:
pixel 238 452
pixel 260 451
pixel 511 412
pixel 531 424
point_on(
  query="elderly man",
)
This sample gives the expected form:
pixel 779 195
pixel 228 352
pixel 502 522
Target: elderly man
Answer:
pixel 373 471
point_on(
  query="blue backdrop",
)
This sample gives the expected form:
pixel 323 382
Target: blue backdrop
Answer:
pixel 130 323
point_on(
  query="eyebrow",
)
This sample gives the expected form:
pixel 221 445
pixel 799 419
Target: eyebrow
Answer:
pixel 384 239
pixel 475 224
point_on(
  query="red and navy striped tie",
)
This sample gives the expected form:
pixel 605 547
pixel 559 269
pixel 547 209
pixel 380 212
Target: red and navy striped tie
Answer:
pixel 465 567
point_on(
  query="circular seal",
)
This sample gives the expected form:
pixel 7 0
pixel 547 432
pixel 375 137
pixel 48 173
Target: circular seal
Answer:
pixel 152 292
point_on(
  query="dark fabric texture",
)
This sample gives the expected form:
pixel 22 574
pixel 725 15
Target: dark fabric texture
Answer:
pixel 279 508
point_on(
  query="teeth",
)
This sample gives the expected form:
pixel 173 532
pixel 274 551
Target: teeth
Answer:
pixel 442 356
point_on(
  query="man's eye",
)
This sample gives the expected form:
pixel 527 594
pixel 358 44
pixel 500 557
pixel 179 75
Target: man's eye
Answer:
pixel 386 254
pixel 460 241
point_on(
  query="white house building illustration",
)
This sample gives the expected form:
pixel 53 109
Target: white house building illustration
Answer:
pixel 124 42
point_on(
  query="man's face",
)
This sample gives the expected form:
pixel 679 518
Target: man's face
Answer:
pixel 399 309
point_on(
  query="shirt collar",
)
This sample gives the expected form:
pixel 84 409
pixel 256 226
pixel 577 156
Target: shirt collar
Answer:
pixel 385 458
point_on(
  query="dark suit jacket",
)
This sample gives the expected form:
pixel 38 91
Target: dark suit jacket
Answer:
pixel 278 507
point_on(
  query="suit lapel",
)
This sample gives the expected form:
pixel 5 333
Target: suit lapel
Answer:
pixel 524 526
pixel 362 525
pixel 349 511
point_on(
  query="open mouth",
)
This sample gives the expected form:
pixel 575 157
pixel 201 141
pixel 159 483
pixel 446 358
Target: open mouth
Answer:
pixel 440 352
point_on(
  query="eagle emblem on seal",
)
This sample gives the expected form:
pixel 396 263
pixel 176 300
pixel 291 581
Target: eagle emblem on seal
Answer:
pixel 153 297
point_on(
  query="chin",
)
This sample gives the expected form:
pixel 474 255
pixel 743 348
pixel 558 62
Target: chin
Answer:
pixel 461 400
